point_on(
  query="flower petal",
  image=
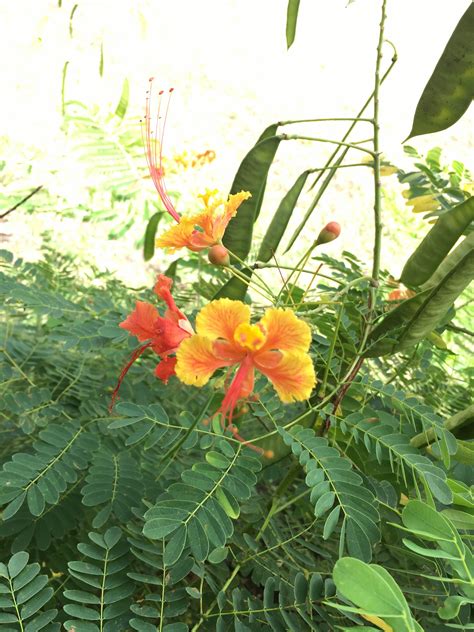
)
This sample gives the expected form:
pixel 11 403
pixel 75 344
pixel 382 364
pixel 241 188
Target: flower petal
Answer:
pixel 140 322
pixel 220 318
pixel 167 336
pixel 222 216
pixel 165 369
pixel 285 331
pixel 293 377
pixel 197 361
pixel 178 236
pixel 162 289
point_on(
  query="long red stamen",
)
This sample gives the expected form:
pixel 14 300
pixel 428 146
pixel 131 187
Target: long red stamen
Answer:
pixel 154 160
pixel 135 355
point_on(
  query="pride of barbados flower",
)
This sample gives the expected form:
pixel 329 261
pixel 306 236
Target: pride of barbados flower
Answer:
pixel 163 334
pixel 205 229
pixel 277 346
pixel 201 230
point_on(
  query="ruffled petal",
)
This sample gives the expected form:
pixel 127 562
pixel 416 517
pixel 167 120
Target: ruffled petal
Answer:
pixel 293 377
pixel 141 321
pixel 220 318
pixel 165 369
pixel 178 236
pixel 285 331
pixel 222 216
pixel 197 361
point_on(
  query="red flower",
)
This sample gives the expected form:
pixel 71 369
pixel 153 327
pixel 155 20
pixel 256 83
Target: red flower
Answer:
pixel 163 334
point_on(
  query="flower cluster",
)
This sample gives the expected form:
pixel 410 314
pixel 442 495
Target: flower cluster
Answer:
pixel 277 346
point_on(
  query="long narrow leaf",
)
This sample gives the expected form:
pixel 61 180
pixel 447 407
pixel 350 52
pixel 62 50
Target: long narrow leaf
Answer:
pixel 437 243
pixel 281 218
pixel 450 89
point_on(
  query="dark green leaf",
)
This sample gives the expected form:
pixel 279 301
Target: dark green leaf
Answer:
pixel 280 220
pixel 150 234
pixel 437 243
pixel 415 318
pixel 450 89
pixel 251 176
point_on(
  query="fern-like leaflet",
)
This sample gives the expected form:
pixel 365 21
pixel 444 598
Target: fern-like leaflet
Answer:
pixel 23 592
pixel 337 487
pixel 102 600
pixel 197 514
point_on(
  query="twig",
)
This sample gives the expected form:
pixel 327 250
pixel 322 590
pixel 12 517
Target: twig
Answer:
pixel 377 225
pixel 25 199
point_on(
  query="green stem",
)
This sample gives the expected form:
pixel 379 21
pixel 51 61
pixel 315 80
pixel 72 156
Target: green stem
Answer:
pixel 376 154
pixel 344 151
pixel 339 143
pixel 247 281
pixel 262 282
pixel 317 120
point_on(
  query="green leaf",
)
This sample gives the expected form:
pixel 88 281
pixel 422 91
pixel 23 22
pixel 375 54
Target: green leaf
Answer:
pixel 333 480
pixel 251 176
pixel 122 105
pixel 291 19
pixel 437 243
pixel 15 505
pixel 372 589
pixel 37 602
pixel 415 318
pixel 175 547
pixel 426 522
pixel 150 234
pixel 35 500
pixel 235 288
pixel 280 220
pixel 465 247
pixel 17 563
pixel 198 540
pixel 450 89
pixel 451 606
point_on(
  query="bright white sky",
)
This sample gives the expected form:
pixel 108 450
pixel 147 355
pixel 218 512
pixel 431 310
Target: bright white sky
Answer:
pixel 228 62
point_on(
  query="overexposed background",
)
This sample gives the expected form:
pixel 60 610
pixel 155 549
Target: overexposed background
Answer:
pixel 232 74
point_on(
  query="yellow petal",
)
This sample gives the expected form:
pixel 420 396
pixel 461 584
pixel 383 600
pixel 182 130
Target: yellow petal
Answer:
pixel 293 377
pixel 285 331
pixel 178 236
pixel 234 201
pixel 196 361
pixel 220 319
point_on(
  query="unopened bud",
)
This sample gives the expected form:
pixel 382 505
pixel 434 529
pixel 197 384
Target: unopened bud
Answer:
pixel 330 232
pixel 218 255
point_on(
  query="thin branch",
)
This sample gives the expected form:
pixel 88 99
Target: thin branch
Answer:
pixel 25 199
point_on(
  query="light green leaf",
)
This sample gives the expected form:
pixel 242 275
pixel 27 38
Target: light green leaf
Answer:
pixel 372 589
pixel 291 20
pixel 122 105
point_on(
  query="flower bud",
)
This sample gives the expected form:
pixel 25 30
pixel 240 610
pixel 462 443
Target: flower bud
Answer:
pixel 218 255
pixel 330 232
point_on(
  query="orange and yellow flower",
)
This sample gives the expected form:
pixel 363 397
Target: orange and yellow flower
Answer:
pixel 277 346
pixel 204 229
